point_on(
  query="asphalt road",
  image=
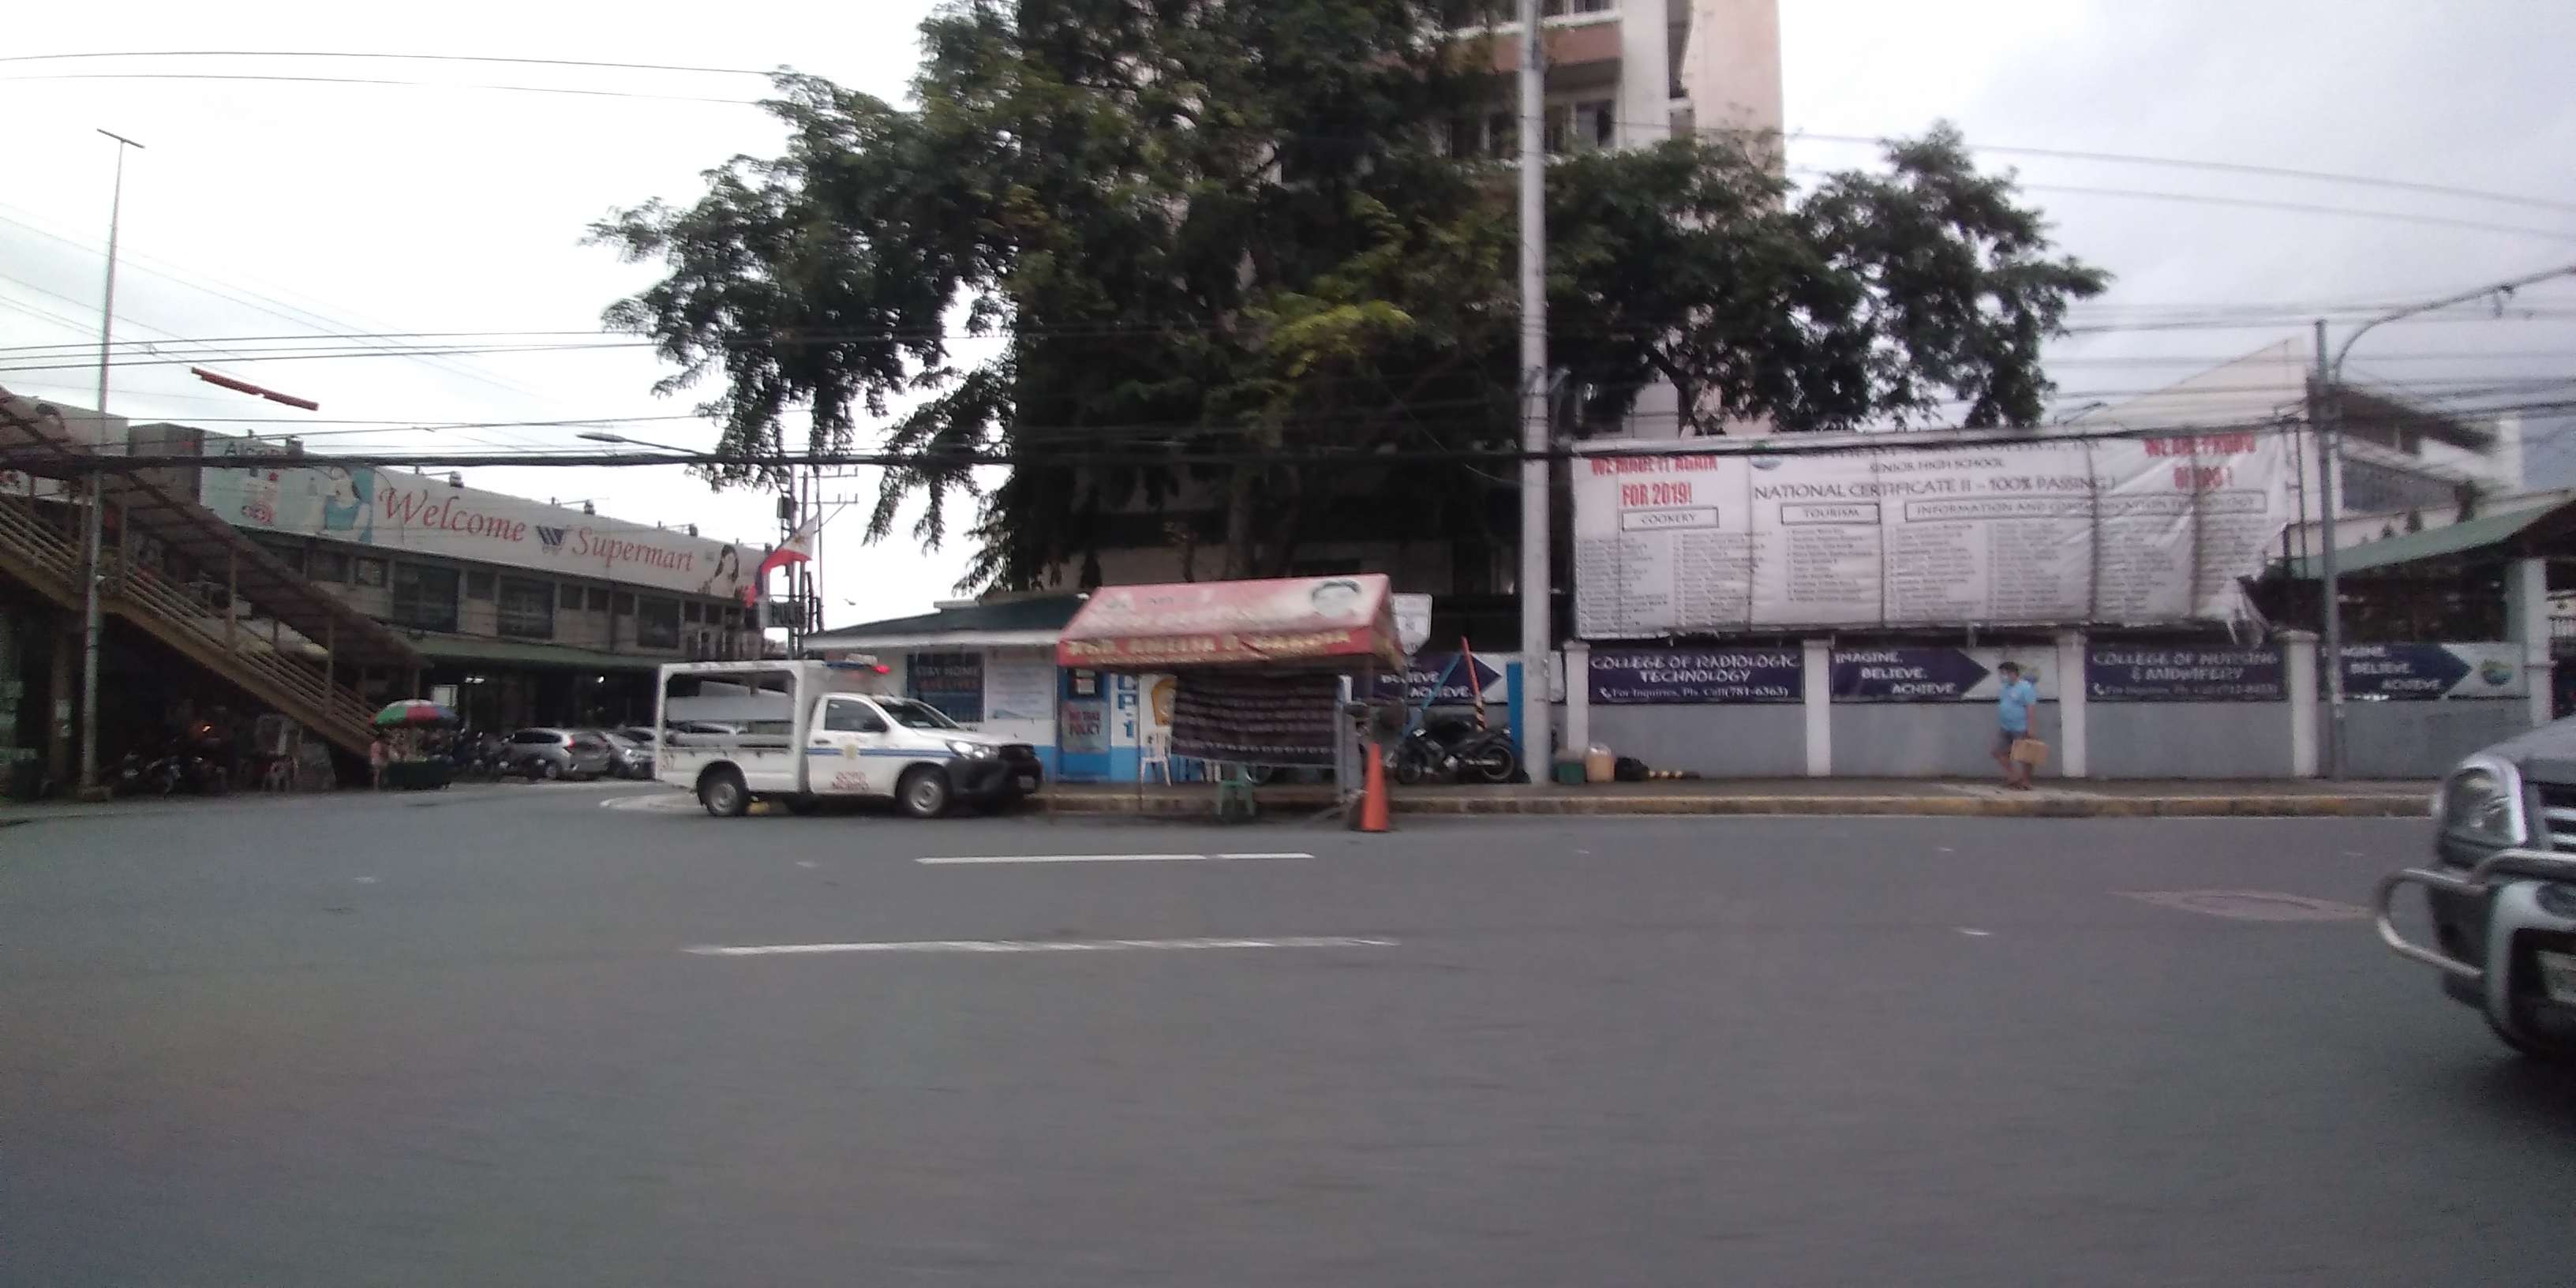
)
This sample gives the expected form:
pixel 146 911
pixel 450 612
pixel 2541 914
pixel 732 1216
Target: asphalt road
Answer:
pixel 463 1039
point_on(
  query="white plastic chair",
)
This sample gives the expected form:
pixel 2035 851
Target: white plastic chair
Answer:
pixel 1154 753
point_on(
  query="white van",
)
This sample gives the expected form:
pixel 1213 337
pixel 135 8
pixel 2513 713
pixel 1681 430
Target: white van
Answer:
pixel 804 732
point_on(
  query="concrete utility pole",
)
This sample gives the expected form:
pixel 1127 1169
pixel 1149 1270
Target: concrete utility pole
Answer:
pixel 90 615
pixel 2330 393
pixel 2319 400
pixel 1536 620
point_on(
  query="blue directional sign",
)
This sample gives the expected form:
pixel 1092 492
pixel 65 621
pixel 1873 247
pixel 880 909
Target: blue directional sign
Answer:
pixel 1905 675
pixel 2422 672
pixel 1426 669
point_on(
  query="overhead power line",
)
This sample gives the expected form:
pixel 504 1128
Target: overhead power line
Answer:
pixel 2225 167
pixel 375 80
pixel 426 58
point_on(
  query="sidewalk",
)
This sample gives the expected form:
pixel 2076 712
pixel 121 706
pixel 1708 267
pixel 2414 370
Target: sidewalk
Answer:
pixel 2060 798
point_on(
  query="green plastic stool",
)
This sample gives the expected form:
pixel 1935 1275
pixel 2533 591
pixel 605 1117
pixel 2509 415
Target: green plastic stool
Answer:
pixel 1234 795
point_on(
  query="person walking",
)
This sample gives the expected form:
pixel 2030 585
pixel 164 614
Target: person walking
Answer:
pixel 377 755
pixel 2012 710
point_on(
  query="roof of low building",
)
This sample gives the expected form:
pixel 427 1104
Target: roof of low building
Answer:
pixel 2537 531
pixel 1033 621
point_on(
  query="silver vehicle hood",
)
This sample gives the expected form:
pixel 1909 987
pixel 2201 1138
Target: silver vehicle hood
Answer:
pixel 2544 755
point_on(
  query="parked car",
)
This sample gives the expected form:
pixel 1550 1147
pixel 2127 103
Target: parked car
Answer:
pixel 559 753
pixel 630 751
pixel 2502 887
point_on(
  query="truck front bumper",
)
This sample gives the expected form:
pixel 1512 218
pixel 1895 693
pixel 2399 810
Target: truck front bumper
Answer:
pixel 994 779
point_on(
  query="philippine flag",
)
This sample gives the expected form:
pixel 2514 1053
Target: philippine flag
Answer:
pixel 798 548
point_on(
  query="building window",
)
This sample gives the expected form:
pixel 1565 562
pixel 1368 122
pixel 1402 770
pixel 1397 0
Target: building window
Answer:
pixel 622 602
pixel 1502 136
pixel 597 600
pixel 572 599
pixel 1560 8
pixel 424 596
pixel 657 623
pixel 291 556
pixel 478 585
pixel 1466 137
pixel 369 572
pixel 692 613
pixel 952 682
pixel 526 609
pixel 1596 125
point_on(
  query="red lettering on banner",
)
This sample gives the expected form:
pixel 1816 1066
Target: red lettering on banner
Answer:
pixel 415 510
pixel 610 551
pixel 2238 444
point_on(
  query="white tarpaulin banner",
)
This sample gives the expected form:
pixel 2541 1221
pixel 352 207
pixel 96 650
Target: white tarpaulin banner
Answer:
pixel 401 511
pixel 2131 531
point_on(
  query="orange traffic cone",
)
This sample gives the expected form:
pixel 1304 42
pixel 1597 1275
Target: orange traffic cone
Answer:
pixel 1373 796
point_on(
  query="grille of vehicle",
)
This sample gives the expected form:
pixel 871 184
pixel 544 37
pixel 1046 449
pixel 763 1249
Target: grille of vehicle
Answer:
pixel 2558 815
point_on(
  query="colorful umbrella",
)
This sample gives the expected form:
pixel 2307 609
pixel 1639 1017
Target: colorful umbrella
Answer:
pixel 414 713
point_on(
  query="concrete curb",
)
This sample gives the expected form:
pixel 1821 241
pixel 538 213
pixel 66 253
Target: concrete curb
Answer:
pixel 2272 805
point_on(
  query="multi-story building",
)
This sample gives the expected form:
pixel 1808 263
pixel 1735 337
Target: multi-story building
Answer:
pixel 526 612
pixel 1624 73
pixel 299 588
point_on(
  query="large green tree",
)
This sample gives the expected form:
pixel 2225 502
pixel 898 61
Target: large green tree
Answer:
pixel 1222 256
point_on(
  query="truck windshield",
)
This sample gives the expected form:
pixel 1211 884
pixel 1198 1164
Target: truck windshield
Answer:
pixel 915 715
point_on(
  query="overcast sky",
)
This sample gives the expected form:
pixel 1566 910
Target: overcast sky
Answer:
pixel 287 208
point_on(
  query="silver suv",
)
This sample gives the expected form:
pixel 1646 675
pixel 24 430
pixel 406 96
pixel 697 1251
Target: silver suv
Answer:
pixel 2502 888
pixel 559 753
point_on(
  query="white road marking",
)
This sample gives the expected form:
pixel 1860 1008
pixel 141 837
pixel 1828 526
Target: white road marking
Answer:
pixel 670 802
pixel 1041 945
pixel 1101 858
pixel 804 863
pixel 1981 934
pixel 364 880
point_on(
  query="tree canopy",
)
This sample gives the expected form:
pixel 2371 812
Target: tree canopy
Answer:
pixel 1224 244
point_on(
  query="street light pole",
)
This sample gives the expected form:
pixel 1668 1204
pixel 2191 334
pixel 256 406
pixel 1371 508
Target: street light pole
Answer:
pixel 1536 619
pixel 91 621
pixel 2329 445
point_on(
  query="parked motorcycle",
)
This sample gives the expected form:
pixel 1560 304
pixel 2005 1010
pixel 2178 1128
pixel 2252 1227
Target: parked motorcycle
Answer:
pixel 1453 750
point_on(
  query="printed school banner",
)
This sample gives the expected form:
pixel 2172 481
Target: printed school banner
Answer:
pixel 420 514
pixel 2136 531
pixel 1643 677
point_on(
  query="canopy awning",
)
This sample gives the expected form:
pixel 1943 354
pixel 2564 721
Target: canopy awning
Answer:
pixel 1293 623
pixel 2530 533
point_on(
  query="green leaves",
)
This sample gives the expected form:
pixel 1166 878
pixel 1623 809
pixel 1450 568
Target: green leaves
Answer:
pixel 1209 229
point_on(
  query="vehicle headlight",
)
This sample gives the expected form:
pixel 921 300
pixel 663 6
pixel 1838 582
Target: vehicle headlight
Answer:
pixel 2483 801
pixel 970 750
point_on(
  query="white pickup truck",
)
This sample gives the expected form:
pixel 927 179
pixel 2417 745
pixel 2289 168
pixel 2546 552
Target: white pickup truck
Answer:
pixel 802 733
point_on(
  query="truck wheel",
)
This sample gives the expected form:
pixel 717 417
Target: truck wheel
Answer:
pixel 923 791
pixel 2543 1052
pixel 723 794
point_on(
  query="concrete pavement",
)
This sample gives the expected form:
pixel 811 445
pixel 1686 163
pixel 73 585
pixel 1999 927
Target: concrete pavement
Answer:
pixel 474 1037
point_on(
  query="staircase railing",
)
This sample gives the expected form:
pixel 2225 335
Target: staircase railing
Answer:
pixel 194 625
